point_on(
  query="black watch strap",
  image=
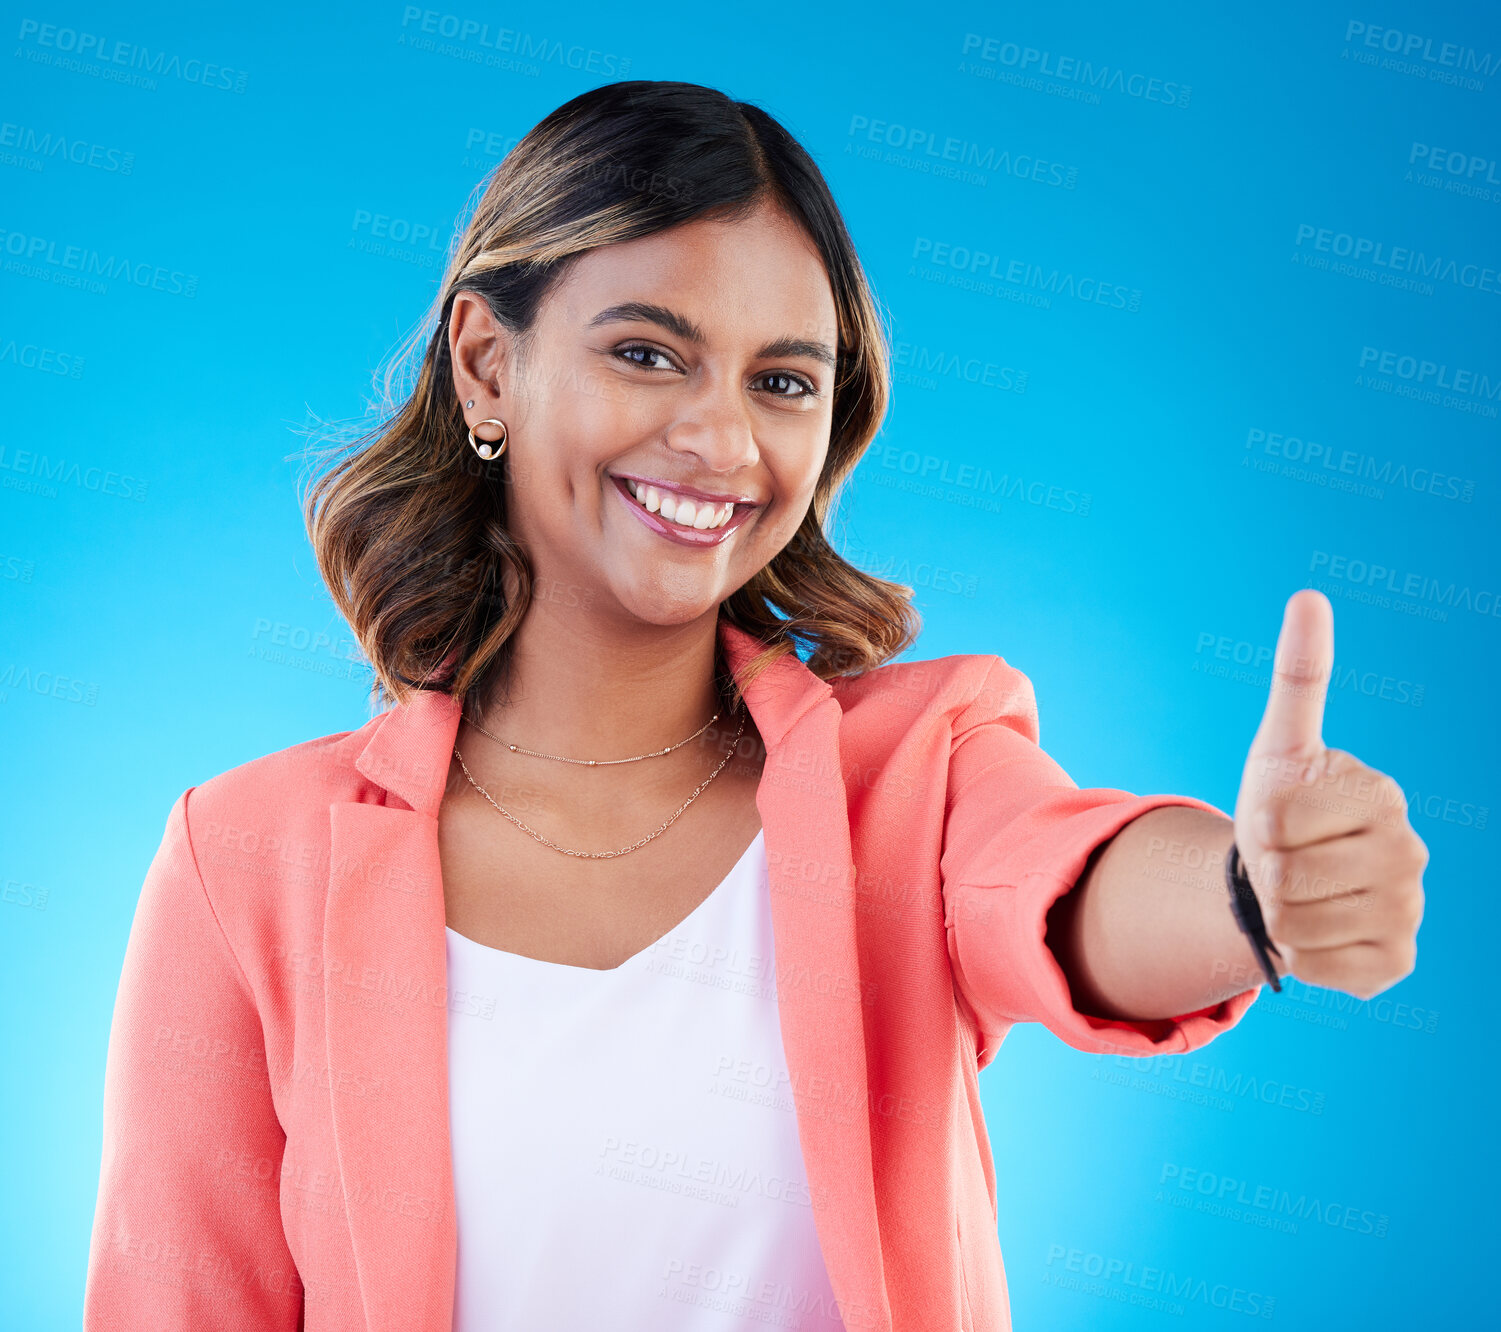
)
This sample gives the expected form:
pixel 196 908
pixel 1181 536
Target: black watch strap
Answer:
pixel 1248 914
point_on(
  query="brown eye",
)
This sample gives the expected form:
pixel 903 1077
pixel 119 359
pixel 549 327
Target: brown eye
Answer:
pixel 627 354
pixel 781 377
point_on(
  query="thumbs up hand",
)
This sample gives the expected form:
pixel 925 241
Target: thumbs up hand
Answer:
pixel 1325 839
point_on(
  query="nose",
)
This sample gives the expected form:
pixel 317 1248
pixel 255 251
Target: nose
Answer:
pixel 714 426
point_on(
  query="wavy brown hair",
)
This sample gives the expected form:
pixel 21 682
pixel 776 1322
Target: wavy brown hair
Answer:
pixel 409 527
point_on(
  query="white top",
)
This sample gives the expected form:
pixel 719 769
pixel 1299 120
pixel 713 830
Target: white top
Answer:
pixel 625 1150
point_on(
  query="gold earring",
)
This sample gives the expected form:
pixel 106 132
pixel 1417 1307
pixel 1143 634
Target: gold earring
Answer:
pixel 485 448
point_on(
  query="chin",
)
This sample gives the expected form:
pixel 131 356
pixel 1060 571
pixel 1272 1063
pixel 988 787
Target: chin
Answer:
pixel 661 607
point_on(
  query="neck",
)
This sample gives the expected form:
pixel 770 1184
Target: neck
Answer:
pixel 584 687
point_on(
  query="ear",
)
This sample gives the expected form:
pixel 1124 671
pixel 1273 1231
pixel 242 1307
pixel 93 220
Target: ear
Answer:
pixel 481 350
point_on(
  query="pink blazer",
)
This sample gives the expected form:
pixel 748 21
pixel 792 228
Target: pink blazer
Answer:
pixel 276 1139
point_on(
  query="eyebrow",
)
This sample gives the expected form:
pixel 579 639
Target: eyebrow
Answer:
pixel 685 328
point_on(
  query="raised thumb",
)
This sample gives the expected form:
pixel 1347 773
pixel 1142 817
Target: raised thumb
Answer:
pixel 1293 722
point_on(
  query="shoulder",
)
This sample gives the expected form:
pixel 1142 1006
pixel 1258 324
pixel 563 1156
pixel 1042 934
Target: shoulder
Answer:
pixel 955 692
pixel 271 798
pixel 252 843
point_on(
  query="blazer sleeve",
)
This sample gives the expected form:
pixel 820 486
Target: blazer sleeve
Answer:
pixel 1018 833
pixel 187 1229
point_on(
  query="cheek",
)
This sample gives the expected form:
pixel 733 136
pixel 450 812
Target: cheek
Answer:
pixel 575 417
pixel 608 396
pixel 590 413
pixel 794 486
pixel 799 478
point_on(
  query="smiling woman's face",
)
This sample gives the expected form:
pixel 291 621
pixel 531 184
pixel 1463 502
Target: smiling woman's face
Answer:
pixel 697 361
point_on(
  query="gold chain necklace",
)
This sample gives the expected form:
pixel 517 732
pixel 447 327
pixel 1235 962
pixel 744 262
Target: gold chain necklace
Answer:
pixel 606 855
pixel 593 763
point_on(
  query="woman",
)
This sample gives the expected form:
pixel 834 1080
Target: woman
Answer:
pixel 631 971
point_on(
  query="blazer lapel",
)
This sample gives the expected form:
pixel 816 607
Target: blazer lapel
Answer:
pixel 386 997
pixel 385 973
pixel 821 995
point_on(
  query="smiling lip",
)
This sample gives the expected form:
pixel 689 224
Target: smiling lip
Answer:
pixel 690 492
pixel 683 536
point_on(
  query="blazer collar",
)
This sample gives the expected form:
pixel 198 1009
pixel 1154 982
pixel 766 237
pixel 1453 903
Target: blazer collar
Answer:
pixel 386 998
pixel 409 750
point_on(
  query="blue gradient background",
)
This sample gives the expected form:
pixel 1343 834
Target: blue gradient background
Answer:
pixel 161 607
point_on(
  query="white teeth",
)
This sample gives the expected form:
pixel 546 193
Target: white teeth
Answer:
pixel 701 515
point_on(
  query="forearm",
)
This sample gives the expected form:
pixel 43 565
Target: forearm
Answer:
pixel 1147 930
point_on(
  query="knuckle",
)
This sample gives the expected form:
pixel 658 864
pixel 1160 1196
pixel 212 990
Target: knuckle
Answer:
pixel 1389 792
pixel 1418 850
pixel 1406 854
pixel 1339 761
pixel 1412 910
